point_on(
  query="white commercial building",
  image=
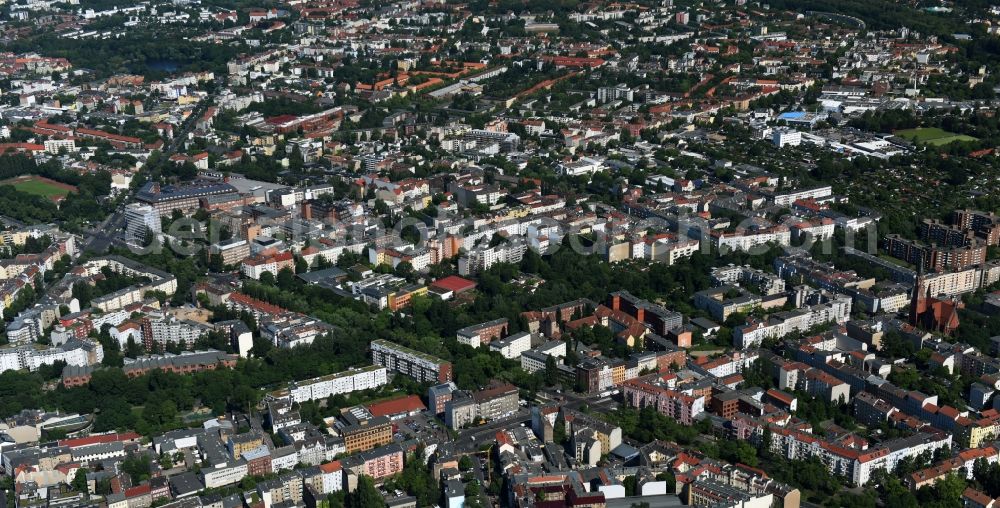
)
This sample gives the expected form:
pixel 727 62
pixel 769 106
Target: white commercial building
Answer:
pixel 140 219
pixel 836 310
pixel 512 346
pixel 226 474
pixel 481 259
pixel 746 240
pixel 534 360
pixel 786 137
pixel 161 330
pixel 320 388
pixel 54 146
pixel 78 353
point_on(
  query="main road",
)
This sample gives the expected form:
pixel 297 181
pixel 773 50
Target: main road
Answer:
pixel 99 238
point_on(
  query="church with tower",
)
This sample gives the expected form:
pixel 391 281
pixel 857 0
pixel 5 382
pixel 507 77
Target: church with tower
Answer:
pixel 932 313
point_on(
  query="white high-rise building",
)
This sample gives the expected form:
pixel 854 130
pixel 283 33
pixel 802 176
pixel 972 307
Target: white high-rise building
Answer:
pixel 138 219
pixel 786 137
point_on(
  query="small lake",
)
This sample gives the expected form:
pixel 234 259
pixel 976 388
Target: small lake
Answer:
pixel 163 65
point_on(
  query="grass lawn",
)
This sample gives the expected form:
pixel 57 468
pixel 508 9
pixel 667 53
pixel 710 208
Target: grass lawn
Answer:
pixel 895 261
pixel 40 186
pixel 933 136
pixel 949 139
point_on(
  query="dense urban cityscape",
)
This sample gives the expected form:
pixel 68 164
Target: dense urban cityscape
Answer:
pixel 499 253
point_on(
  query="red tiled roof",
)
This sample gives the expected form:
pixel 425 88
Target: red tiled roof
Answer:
pixel 331 467
pixel 28 147
pixel 261 306
pixel 138 491
pixel 103 438
pixel 281 119
pixel 976 496
pixel 454 283
pixel 107 135
pixel 782 396
pixel 396 406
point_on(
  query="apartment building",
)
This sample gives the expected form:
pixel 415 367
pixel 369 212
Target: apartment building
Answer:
pixel 854 464
pixel 787 198
pixel 438 396
pixel 836 309
pixel 363 434
pixel 320 388
pixel 661 320
pixel 932 257
pixel 956 283
pixel 765 283
pixel 420 366
pixel 723 301
pixel 747 239
pixel 223 474
pixel 985 225
pixel 936 232
pixel 679 406
pixel 230 251
pixel 76 352
pixel 535 359
pixel 255 266
pixel 160 329
pixel 513 346
pixel 483 333
pixel 240 444
pixel 609 436
pixel 494 402
pixel 482 258
pixel 187 362
pixel 378 464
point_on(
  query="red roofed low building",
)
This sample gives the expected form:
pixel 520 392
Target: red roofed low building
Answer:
pixel 397 408
pixel 262 14
pixel 114 139
pixel 139 496
pixel 808 205
pixel 732 381
pixel 966 459
pixel 200 160
pixel 51 129
pixel 21 148
pixel 259 308
pixel 232 157
pixel 973 498
pixel 782 399
pixel 574 62
pixel 452 284
pixel 114 437
pixel 280 120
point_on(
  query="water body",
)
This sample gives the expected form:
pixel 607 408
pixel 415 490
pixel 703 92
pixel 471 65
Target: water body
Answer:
pixel 163 65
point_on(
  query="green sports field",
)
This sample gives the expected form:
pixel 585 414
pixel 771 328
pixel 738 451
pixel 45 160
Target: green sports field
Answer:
pixel 933 136
pixel 40 186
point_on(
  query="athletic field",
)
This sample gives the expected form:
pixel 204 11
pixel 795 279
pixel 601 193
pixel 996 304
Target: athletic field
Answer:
pixel 40 186
pixel 933 136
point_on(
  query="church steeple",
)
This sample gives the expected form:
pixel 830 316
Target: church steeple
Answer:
pixel 918 303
